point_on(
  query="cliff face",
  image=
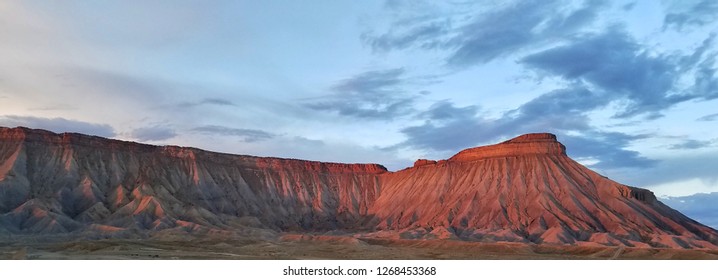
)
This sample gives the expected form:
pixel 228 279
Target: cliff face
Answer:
pixel 525 190
pixel 527 144
pixel 539 198
pixel 62 183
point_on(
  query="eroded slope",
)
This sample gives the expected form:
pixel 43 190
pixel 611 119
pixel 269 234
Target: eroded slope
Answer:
pixel 523 190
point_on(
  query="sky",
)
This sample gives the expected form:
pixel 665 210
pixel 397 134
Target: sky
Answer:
pixel 630 87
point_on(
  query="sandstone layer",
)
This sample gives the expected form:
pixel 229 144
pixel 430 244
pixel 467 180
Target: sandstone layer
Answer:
pixel 523 190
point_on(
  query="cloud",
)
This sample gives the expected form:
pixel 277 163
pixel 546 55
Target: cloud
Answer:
pixel 247 135
pixel 677 173
pixel 70 87
pixel 56 107
pixel 371 82
pixel 706 81
pixel 609 148
pixel 599 69
pixel 153 133
pixel 708 118
pixel 691 144
pixel 687 14
pixel 554 111
pixel 491 31
pixel 701 207
pixel 426 34
pixel 509 30
pixel 563 112
pixel 445 110
pixel 108 83
pixel 449 128
pixel 689 61
pixel 208 101
pixel 564 108
pixel 616 68
pixel 374 95
pixel 58 125
pixel 620 70
pixel 455 130
pixel 629 6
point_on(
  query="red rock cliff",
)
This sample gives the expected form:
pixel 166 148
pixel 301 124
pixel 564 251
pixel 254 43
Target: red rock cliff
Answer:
pixel 527 144
pixel 525 190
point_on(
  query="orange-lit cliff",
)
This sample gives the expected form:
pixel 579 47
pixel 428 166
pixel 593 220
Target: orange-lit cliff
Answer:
pixel 525 190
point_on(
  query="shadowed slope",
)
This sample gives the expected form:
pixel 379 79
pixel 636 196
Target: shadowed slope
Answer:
pixel 90 180
pixel 525 190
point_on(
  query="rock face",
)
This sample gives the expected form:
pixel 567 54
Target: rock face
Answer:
pixel 422 162
pixel 523 190
pixel 62 183
pixel 527 144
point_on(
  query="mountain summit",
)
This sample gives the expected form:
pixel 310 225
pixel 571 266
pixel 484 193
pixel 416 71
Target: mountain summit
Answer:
pixel 522 190
pixel 527 144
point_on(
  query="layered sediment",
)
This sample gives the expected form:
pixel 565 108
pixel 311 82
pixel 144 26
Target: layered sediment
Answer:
pixel 523 190
pixel 527 144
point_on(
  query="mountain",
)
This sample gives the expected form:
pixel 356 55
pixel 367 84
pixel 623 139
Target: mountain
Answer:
pixel 523 190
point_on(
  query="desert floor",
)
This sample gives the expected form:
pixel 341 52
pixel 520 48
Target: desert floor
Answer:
pixel 321 248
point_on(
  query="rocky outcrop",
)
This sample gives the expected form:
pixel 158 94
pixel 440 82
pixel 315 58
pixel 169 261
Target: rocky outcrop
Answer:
pixel 528 144
pixel 523 190
pixel 422 162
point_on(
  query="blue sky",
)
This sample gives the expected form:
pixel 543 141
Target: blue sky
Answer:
pixel 629 86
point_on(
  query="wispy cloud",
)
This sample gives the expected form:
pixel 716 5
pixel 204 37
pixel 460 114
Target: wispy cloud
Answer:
pixel 611 63
pixel 56 107
pixel 691 144
pixel 620 69
pixel 377 95
pixel 610 149
pixel 705 84
pixel 153 133
pixel 447 128
pixel 445 110
pixel 208 101
pixel 629 6
pixel 687 14
pixel 487 31
pixel 425 35
pixel 708 118
pixel 247 135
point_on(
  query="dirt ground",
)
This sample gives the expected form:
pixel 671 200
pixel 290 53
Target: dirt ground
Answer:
pixel 322 248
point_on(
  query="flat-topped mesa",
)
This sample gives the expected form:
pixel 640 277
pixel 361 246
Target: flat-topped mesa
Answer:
pixel 30 135
pixel 527 144
pixel 43 137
